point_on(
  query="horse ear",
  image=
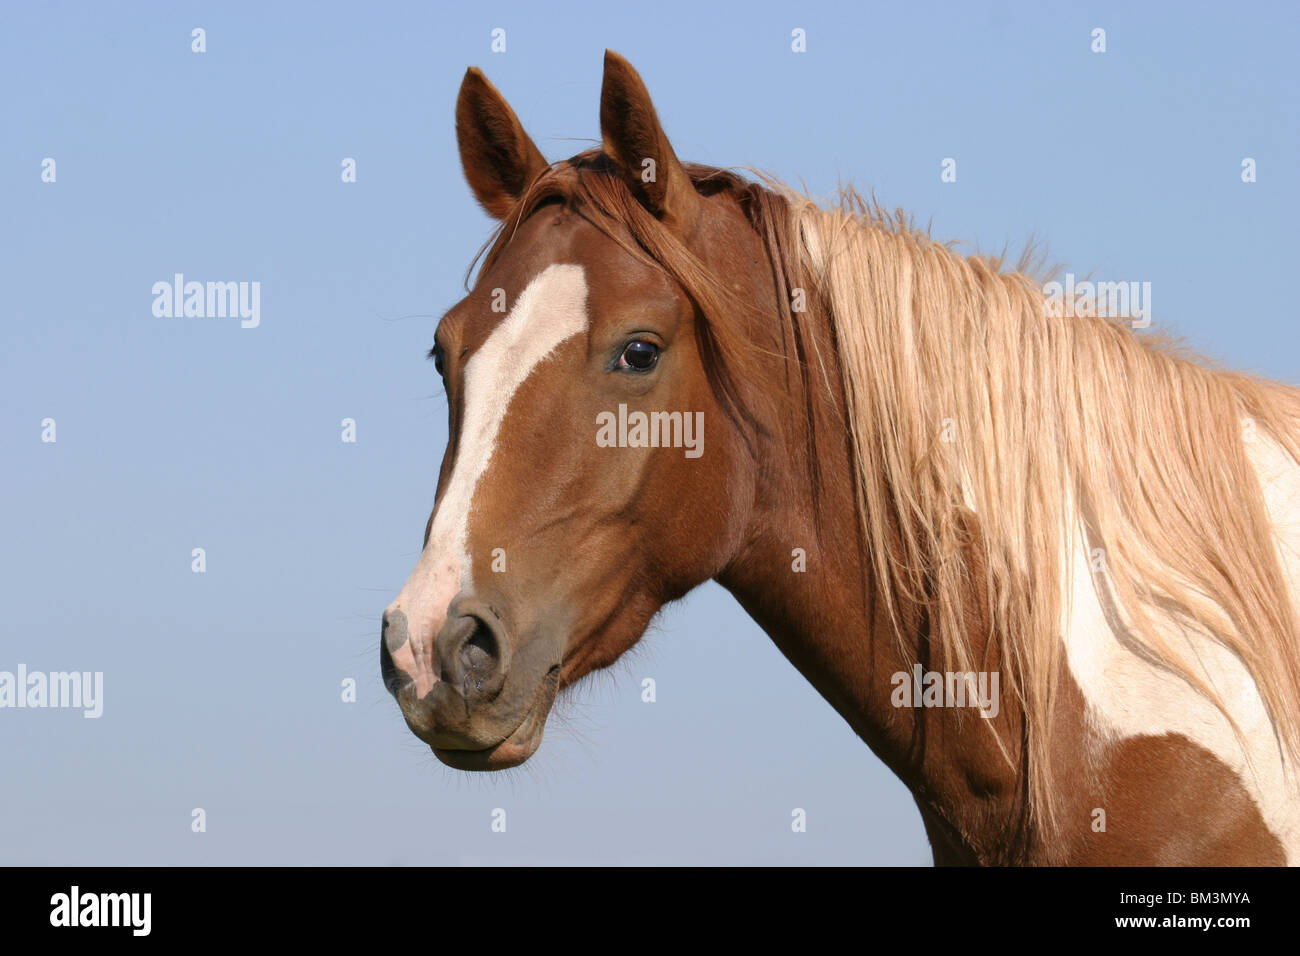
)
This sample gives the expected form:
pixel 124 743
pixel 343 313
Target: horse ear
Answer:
pixel 498 157
pixel 634 140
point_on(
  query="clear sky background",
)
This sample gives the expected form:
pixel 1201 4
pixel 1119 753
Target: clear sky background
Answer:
pixel 222 690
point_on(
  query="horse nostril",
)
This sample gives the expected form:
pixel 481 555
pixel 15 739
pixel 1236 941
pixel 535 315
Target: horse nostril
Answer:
pixel 394 632
pixel 480 652
pixel 388 670
pixel 392 637
pixel 473 653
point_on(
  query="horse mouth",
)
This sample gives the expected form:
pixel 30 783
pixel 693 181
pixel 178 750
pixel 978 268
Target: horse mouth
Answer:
pixel 517 746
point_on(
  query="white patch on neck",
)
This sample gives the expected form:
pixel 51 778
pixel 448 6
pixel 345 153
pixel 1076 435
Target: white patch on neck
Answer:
pixel 1127 697
pixel 552 309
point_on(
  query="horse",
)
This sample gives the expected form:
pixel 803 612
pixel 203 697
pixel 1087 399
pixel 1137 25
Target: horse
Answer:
pixel 1044 565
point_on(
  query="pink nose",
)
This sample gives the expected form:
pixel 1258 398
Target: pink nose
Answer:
pixel 395 640
pixel 470 651
pixel 463 673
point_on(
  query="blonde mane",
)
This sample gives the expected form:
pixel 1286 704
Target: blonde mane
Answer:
pixel 977 421
pixel 970 408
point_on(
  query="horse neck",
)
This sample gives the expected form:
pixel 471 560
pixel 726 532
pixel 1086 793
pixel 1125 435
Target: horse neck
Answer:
pixel 826 614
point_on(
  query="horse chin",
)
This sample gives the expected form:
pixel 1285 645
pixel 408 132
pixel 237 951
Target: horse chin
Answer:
pixel 518 745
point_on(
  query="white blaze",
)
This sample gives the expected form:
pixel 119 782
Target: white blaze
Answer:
pixel 552 309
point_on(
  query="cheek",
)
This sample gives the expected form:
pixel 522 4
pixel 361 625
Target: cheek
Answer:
pixel 610 489
pixel 687 501
pixel 605 629
pixel 713 489
pixel 702 527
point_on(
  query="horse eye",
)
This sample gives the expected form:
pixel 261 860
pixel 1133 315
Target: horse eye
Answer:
pixel 640 356
pixel 439 362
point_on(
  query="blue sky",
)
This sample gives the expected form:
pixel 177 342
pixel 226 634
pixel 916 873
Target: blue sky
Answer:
pixel 222 689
